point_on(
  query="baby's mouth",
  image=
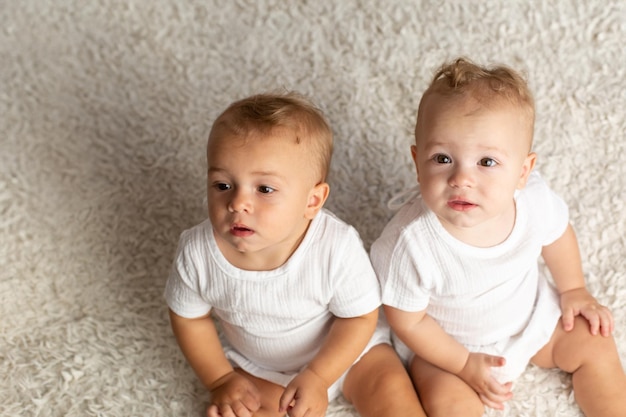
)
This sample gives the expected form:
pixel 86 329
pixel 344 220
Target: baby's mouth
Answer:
pixel 240 230
pixel 460 205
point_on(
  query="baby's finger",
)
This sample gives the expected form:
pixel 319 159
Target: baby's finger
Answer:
pixel 491 403
pixel 302 409
pixel 221 411
pixel 496 400
pixel 287 400
pixel 496 361
pixel 297 410
pixel 496 394
pixel 213 411
pixel 593 317
pixel 607 324
pixel 499 392
pixel 567 319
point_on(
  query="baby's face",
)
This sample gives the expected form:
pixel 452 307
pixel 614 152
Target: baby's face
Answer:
pixel 259 193
pixel 470 160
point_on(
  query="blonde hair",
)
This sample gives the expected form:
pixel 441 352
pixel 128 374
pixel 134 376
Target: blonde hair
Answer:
pixel 262 113
pixel 487 85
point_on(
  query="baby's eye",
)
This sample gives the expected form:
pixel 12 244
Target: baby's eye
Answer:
pixel 264 189
pixel 221 186
pixel 487 162
pixel 442 159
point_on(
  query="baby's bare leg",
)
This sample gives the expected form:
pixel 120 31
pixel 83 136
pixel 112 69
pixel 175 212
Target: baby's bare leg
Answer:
pixel 444 394
pixel 379 386
pixel 597 374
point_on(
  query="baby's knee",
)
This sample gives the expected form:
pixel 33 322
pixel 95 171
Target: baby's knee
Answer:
pixel 382 384
pixel 393 381
pixel 578 347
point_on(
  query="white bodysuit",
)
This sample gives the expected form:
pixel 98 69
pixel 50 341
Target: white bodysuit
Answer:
pixel 274 322
pixel 492 300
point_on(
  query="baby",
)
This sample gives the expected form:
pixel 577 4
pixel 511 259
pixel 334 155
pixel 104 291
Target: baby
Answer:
pixel 291 284
pixel 458 263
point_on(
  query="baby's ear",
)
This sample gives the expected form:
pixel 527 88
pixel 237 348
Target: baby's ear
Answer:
pixel 414 156
pixel 317 198
pixel 527 167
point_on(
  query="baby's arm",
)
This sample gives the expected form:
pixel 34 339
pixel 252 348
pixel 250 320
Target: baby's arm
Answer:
pixel 199 342
pixel 428 340
pixel 307 393
pixel 563 260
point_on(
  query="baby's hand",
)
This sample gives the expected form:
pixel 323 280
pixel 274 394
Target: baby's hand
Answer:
pixel 579 302
pixel 234 395
pixel 306 394
pixel 477 374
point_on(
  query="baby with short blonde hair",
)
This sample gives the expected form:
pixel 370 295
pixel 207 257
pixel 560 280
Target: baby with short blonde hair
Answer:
pixel 461 286
pixel 290 284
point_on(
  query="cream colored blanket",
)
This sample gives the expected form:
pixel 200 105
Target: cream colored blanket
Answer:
pixel 104 111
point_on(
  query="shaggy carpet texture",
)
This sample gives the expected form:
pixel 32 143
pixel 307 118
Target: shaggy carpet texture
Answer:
pixel 105 107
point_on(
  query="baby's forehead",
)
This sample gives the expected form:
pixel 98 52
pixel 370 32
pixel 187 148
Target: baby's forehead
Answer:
pixel 442 111
pixel 452 106
pixel 314 142
pixel 241 136
pixel 481 96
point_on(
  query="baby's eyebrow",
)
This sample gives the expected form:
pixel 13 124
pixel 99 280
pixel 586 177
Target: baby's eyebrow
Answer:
pixel 482 149
pixel 260 173
pixel 266 173
pixel 492 150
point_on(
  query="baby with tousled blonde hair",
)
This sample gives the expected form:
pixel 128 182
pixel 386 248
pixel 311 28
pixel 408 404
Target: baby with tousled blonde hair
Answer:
pixel 458 266
pixel 290 284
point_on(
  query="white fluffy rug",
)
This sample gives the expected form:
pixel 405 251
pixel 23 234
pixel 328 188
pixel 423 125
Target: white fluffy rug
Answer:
pixel 104 110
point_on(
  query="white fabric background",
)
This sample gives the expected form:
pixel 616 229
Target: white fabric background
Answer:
pixel 104 110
